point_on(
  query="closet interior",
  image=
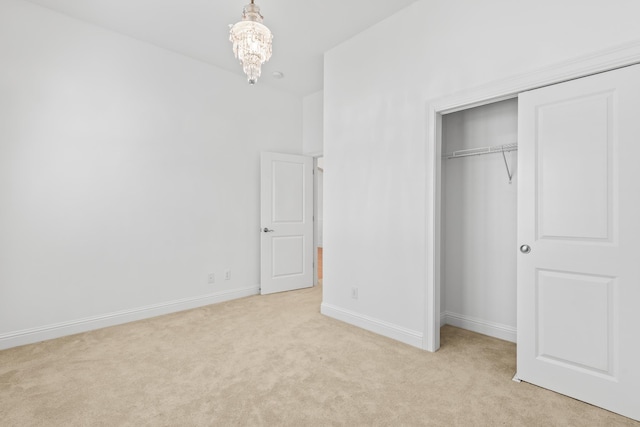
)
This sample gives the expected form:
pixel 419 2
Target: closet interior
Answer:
pixel 478 219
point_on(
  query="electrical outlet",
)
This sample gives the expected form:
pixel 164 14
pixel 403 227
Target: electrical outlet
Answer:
pixel 211 278
pixel 354 293
pixel 227 275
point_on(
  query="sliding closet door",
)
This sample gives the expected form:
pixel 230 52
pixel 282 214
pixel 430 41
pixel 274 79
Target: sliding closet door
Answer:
pixel 579 239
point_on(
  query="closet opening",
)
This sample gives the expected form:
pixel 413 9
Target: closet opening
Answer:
pixel 478 219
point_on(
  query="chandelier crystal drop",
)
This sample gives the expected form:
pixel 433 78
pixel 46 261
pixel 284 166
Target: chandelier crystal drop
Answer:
pixel 251 41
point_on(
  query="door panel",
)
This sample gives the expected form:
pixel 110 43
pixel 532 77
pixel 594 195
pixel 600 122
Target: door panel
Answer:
pixel 575 335
pixel 579 211
pixel 288 255
pixel 569 129
pixel 288 192
pixel 287 215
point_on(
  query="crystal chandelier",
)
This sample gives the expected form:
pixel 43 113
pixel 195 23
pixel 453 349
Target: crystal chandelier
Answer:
pixel 251 41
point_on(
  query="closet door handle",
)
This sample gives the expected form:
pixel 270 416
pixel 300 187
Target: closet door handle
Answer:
pixel 525 249
pixel 267 230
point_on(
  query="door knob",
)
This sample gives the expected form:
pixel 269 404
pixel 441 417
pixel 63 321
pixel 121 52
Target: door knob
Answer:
pixel 525 249
pixel 267 230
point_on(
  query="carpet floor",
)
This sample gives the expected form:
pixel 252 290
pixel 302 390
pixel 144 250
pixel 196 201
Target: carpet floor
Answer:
pixel 270 361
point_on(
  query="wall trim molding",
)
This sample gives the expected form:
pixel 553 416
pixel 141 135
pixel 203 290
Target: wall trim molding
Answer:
pixel 57 330
pixel 618 56
pixel 474 324
pixel 380 327
pixel 509 87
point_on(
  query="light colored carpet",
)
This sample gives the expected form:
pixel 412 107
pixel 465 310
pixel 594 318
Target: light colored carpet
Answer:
pixel 273 360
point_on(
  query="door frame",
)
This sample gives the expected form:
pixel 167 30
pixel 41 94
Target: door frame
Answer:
pixel 315 156
pixel 606 60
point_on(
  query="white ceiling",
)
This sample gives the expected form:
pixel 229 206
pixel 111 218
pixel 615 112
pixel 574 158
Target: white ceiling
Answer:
pixel 303 29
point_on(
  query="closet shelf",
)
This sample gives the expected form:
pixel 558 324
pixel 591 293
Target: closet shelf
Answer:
pixel 483 150
pixel 486 150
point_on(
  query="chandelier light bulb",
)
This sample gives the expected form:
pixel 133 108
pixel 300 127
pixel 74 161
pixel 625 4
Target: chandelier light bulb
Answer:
pixel 251 42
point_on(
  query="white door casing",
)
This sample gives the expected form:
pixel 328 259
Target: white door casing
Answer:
pixel 286 222
pixel 579 213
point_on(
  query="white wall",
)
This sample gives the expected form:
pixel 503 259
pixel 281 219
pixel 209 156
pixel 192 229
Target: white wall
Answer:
pixel 376 90
pixel 312 117
pixel 478 244
pixel 127 174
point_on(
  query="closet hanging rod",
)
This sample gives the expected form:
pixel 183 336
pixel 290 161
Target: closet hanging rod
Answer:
pixel 480 151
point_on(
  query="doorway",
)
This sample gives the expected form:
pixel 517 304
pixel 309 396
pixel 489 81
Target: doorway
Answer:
pixel 318 215
pixel 478 226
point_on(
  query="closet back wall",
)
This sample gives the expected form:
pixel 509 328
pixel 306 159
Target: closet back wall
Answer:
pixel 478 270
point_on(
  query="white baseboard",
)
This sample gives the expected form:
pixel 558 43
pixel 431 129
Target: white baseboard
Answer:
pixel 389 330
pixel 47 332
pixel 492 329
pixel 443 319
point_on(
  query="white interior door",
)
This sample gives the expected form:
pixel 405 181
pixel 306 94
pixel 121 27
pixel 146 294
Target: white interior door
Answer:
pixel 579 215
pixel 287 222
